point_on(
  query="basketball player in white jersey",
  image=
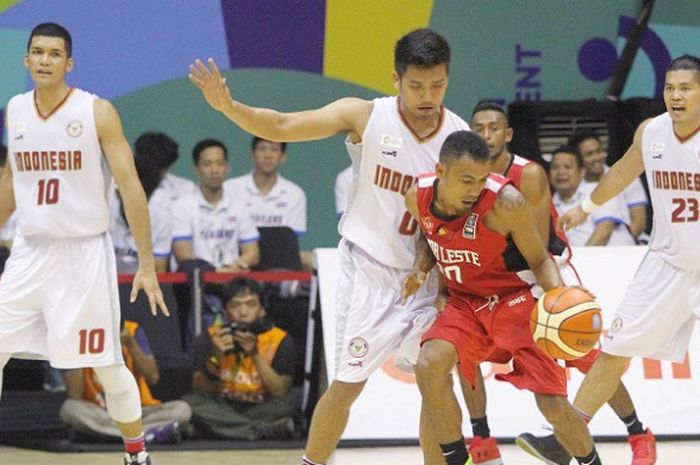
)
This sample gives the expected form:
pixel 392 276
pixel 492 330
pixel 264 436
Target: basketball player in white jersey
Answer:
pixel 391 140
pixel 58 295
pixel 658 313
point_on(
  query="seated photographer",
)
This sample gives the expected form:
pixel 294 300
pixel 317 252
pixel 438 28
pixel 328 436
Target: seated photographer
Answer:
pixel 243 371
pixel 85 409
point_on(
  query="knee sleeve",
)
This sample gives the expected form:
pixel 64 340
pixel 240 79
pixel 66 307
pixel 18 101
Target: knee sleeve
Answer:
pixel 121 393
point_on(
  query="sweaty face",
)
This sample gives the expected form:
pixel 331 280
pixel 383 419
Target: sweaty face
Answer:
pixel 422 90
pixel 493 127
pixel 244 308
pixel 682 96
pixel 462 181
pixel 593 156
pixel 212 167
pixel 565 174
pixel 47 61
pixel 268 156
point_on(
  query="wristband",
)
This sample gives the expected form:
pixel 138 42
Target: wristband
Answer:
pixel 588 205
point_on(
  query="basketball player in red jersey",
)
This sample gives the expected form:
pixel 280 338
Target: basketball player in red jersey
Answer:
pixel 479 227
pixel 491 122
pixel 58 294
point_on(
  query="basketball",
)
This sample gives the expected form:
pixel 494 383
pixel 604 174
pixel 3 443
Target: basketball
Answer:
pixel 566 322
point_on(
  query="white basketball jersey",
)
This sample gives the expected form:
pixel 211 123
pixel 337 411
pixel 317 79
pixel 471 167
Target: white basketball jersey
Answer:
pixel 59 173
pixel 387 163
pixel 673 174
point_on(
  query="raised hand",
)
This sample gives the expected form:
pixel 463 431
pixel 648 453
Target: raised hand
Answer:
pixel 571 219
pixel 211 83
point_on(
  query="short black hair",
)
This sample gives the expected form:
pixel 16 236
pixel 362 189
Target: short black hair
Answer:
pixel 205 144
pixel 158 146
pixel 149 175
pixel 573 150
pixel 52 30
pixel 487 105
pixel 424 48
pixel 3 155
pixel 580 136
pixel 464 143
pixel 240 286
pixel 255 140
pixel 687 62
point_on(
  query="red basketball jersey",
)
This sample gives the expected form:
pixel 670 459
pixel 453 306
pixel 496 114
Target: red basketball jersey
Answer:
pixel 474 259
pixel 558 242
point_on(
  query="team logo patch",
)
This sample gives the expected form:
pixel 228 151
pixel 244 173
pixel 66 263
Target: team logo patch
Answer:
pixel 469 230
pixel 657 150
pixel 358 347
pixel 427 224
pixel 441 231
pixel 20 127
pixel 74 128
pixel 616 325
pixel 393 142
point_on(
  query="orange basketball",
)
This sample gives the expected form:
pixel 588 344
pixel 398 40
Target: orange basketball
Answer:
pixel 566 322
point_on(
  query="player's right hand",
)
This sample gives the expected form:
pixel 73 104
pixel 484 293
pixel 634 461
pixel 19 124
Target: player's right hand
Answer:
pixel 571 219
pixel 411 283
pixel 147 280
pixel 211 83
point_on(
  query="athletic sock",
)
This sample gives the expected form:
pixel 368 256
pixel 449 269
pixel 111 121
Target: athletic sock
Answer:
pixel 480 427
pixel 455 453
pixel 134 445
pixel 634 426
pixel 590 459
pixel 306 461
pixel 586 417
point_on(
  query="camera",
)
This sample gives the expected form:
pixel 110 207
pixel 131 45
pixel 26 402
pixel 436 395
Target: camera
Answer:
pixel 259 326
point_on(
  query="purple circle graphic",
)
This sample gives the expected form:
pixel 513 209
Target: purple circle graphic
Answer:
pixel 597 58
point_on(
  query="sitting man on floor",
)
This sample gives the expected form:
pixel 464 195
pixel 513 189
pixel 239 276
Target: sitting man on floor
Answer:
pixel 243 371
pixel 85 410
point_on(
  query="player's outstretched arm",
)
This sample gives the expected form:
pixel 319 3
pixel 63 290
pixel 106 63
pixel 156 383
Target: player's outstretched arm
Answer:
pixel 514 216
pixel 121 163
pixel 343 115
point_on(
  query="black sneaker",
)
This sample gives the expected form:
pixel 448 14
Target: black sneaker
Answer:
pixel 140 458
pixel 545 448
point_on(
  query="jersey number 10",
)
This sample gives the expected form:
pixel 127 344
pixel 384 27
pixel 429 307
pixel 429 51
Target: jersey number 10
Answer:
pixel 48 192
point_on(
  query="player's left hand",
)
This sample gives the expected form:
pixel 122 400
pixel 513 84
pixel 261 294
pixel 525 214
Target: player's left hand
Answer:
pixel 148 281
pixel 411 283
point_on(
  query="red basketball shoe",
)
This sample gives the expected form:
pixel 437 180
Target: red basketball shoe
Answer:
pixel 643 448
pixel 484 451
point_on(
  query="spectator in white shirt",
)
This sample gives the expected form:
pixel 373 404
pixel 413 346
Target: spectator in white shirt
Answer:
pixel 633 196
pixel 272 199
pixel 605 226
pixel 161 225
pixel 213 224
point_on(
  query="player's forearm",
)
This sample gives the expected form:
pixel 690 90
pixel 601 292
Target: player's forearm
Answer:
pixel 424 260
pixel 136 209
pixel 263 122
pixel 547 274
pixel 620 175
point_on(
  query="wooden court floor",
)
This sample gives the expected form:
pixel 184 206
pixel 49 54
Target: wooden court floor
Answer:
pixel 670 453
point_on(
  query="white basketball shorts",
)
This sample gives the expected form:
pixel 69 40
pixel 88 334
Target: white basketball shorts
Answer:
pixel 372 325
pixel 59 301
pixel 657 315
